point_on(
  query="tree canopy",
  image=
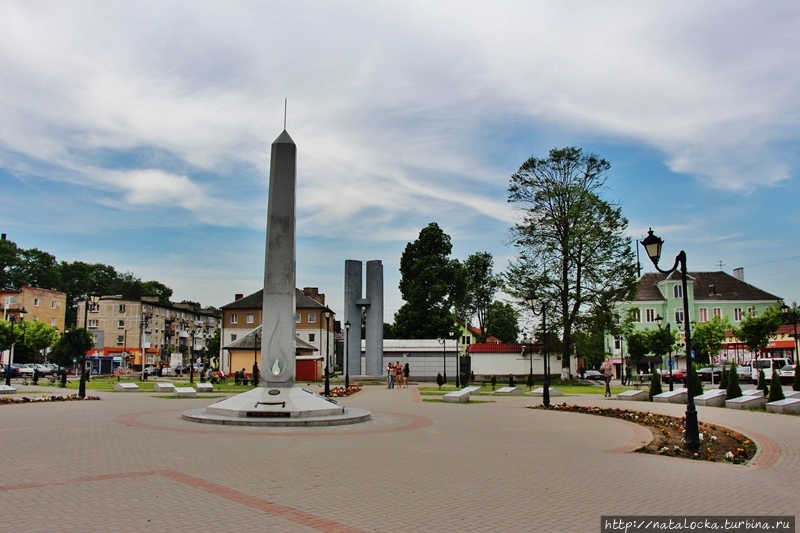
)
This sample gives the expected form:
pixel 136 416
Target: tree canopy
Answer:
pixel 430 283
pixel 709 337
pixel 572 248
pixel 755 330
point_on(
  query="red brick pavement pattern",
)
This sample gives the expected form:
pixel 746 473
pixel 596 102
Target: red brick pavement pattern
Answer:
pixel 130 463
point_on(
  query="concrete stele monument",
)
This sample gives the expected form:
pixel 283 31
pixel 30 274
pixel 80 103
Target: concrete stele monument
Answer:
pixel 279 402
pixel 278 325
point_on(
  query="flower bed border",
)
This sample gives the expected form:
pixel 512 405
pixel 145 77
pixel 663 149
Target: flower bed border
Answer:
pixel 9 400
pixel 667 430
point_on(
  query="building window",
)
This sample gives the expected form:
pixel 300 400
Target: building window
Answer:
pixel 752 311
pixel 679 315
pixel 650 315
pixel 233 337
pixel 311 337
pixel 93 323
pixel 717 312
pixel 312 318
pixel 677 291
pixel 636 313
pixel 738 315
pixel 36 302
pixel 52 321
pixel 120 324
pixel 54 305
pixel 234 319
pixel 250 318
pixel 617 343
pixel 703 314
pixel 297 318
pixel 120 339
pixel 122 309
pixel 93 308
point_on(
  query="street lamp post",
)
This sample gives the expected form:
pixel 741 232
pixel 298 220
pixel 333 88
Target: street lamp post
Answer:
pixel 458 369
pixel 346 355
pixel 532 300
pixel 192 333
pixel 255 358
pixel 669 347
pixel 91 300
pixel 327 352
pixel 443 342
pixel 786 310
pixel 652 245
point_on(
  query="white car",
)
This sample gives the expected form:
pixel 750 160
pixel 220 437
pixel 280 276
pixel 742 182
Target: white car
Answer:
pixel 786 374
pixel 25 369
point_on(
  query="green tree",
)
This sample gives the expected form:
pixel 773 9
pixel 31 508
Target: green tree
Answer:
pixel 655 384
pixel 35 268
pixel 709 337
pixel 8 261
pixel 724 378
pixel 503 322
pixel 734 390
pixel 430 283
pixel 73 344
pixel 762 383
pixel 37 336
pixel 755 330
pixel 7 334
pixel 481 286
pixel 775 388
pixel 638 345
pixel 572 245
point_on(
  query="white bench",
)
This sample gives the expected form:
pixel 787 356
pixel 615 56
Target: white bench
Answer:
pixel 712 398
pixel 787 406
pixel 673 396
pixel 205 387
pixel 126 387
pixel 756 393
pixel 750 401
pixel 506 391
pixel 634 395
pixel 164 387
pixel 457 396
pixel 185 392
pixel 7 389
pixel 552 392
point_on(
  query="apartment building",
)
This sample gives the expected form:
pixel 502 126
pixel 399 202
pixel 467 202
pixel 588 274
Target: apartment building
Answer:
pixel 43 305
pixel 132 333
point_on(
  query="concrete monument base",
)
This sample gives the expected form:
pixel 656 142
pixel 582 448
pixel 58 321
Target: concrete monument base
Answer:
pixel 277 406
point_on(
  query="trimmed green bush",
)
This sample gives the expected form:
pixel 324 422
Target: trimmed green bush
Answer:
pixel 762 383
pixel 775 389
pixel 697 383
pixel 655 384
pixel 530 381
pixel 734 390
pixel 796 382
pixel 494 381
pixel 439 380
pixel 724 379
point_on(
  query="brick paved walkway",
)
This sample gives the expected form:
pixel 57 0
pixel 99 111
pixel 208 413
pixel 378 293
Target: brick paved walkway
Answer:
pixel 129 463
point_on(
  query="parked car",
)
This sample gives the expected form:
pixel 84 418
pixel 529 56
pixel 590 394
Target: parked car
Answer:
pixel 151 371
pixel 705 373
pixel 44 370
pixel 12 369
pixel 786 374
pixel 25 369
pixel 593 375
pixel 678 375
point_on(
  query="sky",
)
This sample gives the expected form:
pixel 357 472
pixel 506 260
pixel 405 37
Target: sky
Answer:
pixel 137 133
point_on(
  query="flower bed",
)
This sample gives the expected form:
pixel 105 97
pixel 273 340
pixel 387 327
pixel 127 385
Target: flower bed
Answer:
pixel 716 443
pixel 339 392
pixel 6 400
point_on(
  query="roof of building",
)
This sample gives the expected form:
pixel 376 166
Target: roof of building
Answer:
pixel 502 348
pixel 256 301
pixel 718 285
pixel 248 342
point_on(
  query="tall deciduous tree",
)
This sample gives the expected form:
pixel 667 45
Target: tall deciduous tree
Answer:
pixel 71 345
pixel 430 283
pixel 756 330
pixel 482 286
pixel 37 336
pixel 709 337
pixel 503 321
pixel 572 245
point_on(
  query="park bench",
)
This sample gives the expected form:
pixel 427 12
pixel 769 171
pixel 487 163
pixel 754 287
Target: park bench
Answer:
pixel 642 380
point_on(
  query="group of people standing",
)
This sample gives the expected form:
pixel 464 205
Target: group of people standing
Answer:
pixel 397 375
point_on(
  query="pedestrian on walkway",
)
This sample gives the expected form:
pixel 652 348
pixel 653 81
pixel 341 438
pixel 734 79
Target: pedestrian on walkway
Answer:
pixel 406 372
pixel 390 376
pixel 628 372
pixel 398 374
pixel 608 370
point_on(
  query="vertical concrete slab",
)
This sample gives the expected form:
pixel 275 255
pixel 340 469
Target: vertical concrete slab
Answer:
pixel 374 333
pixel 352 314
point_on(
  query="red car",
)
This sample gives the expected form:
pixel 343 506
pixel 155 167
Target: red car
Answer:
pixel 678 375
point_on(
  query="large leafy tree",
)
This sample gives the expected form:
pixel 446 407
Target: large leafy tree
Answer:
pixel 482 285
pixel 572 248
pixel 35 268
pixel 709 337
pixel 71 345
pixel 503 321
pixel 755 330
pixel 35 337
pixel 430 283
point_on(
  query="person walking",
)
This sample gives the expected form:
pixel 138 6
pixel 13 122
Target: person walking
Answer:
pixel 608 369
pixel 398 374
pixel 390 376
pixel 406 372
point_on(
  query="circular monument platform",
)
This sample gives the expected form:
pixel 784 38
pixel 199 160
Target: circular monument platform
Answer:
pixel 277 407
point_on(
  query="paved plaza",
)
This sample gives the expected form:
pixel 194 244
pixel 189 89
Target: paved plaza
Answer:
pixel 130 463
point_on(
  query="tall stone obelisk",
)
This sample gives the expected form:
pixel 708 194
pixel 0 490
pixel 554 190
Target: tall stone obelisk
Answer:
pixel 278 322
